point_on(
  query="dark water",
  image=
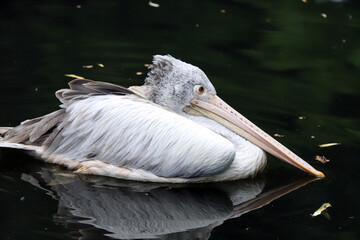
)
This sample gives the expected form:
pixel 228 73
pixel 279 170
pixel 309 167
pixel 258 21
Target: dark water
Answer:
pixel 273 61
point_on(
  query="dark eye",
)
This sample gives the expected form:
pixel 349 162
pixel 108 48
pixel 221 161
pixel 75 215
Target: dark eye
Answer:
pixel 199 89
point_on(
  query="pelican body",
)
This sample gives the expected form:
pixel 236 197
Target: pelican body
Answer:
pixel 174 128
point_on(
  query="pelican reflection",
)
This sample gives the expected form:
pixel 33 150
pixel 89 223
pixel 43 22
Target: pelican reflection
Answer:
pixel 98 206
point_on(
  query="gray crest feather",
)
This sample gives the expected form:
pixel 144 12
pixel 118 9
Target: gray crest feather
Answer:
pixel 158 69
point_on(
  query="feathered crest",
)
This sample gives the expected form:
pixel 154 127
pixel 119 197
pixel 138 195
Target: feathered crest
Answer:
pixel 159 68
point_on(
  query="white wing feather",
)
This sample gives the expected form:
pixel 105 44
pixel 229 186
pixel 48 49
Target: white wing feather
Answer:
pixel 134 133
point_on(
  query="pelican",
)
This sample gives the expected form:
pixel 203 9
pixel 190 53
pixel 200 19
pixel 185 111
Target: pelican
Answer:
pixel 173 129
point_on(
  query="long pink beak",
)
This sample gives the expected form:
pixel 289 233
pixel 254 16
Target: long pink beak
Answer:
pixel 215 108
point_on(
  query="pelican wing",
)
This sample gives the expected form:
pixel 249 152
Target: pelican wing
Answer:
pixel 42 130
pixel 108 123
pixel 84 88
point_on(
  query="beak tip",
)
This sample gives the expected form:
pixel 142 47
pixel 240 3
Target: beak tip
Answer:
pixel 319 174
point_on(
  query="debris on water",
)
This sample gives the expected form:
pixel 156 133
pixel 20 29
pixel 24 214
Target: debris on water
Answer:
pixel 78 6
pixel 22 198
pixel 302 117
pixel 223 11
pixel 146 65
pixel 68 175
pixel 328 144
pixel 55 168
pixel 139 73
pixel 321 209
pixel 278 135
pixel 322 159
pixel 325 214
pixel 312 136
pixel 56 182
pixel 156 5
pixel 304 1
pixel 36 89
pixel 100 65
pixel 74 76
pixel 324 15
pixel 88 66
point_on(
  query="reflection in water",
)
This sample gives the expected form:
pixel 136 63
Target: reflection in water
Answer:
pixel 96 206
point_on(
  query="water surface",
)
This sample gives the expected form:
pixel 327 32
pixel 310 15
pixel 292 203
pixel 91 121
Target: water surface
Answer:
pixel 291 67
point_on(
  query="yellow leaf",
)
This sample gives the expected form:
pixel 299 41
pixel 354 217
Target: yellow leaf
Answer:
pixel 68 175
pixel 322 208
pixel 154 4
pixel 74 76
pixel 329 144
pixel 100 65
pixel 56 182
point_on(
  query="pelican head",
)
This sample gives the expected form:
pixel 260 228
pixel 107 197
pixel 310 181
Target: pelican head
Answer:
pixel 173 83
pixel 184 88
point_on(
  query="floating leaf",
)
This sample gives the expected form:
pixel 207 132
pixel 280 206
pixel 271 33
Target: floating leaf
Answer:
pixel 74 76
pixel 321 209
pixel 223 11
pixel 325 214
pixel 88 66
pixel 146 65
pixel 324 15
pixel 100 65
pixel 302 118
pixel 328 144
pixel 139 73
pixel 56 182
pixel 154 4
pixel 68 175
pixel 278 135
pixel 322 159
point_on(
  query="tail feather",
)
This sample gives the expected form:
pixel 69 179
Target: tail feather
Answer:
pixel 34 131
pixel 4 130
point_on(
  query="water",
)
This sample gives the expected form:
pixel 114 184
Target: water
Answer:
pixel 290 67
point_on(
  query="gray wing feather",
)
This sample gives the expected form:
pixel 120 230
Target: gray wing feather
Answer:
pixel 45 131
pixel 35 131
pixel 83 88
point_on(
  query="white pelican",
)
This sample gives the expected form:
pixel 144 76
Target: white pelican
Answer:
pixel 174 128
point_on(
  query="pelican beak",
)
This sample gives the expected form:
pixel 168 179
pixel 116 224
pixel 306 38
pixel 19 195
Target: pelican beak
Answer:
pixel 215 108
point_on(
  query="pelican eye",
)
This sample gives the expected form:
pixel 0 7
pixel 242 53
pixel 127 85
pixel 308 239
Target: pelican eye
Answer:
pixel 199 89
